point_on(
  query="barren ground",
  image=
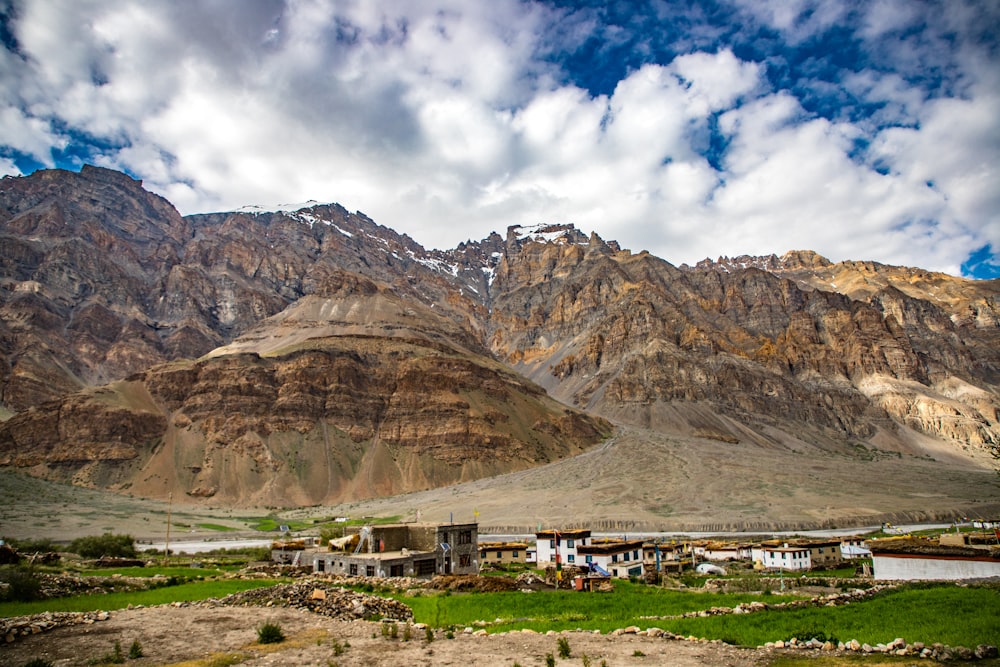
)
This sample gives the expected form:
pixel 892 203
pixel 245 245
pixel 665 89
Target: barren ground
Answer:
pixel 172 636
pixel 638 481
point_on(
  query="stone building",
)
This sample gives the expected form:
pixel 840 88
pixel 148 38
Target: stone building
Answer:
pixel 404 550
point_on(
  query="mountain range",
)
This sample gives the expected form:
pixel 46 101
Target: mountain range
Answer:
pixel 311 356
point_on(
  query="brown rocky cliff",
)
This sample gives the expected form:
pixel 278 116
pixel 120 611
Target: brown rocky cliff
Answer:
pixel 344 418
pixel 615 330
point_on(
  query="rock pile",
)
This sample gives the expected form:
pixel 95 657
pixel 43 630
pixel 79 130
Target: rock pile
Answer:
pixel 337 603
pixel 19 626
pixel 897 647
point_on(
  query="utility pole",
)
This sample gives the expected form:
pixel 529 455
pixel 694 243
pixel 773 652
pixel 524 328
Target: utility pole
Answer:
pixel 166 544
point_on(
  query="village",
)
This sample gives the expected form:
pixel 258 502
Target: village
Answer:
pixel 585 560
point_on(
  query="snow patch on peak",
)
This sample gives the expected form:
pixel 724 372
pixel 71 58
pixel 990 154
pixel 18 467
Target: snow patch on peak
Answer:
pixel 545 233
pixel 280 208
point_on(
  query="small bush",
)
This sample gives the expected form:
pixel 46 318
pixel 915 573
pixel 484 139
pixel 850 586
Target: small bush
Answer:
pixel 338 648
pixel 564 651
pixel 550 660
pixel 407 633
pixel 23 584
pixel 638 654
pixel 428 635
pixel 116 657
pixel 108 544
pixel 37 662
pixel 135 650
pixel 270 633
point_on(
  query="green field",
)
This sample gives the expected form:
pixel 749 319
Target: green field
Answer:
pixel 187 592
pixel 944 613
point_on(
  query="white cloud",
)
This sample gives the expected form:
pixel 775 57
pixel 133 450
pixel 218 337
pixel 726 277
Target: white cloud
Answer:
pixel 446 122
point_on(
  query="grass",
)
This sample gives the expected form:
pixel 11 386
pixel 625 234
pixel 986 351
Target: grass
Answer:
pixel 949 614
pixel 566 609
pixel 188 592
pixel 216 526
pixel 176 571
pixel 945 613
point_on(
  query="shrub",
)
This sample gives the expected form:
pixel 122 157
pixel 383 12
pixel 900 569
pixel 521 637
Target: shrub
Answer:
pixel 550 660
pixel 270 633
pixel 23 584
pixel 564 651
pixel 37 662
pixel 135 650
pixel 338 648
pixel 428 635
pixel 108 544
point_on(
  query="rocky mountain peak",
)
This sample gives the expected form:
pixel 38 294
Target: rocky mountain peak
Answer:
pixel 264 334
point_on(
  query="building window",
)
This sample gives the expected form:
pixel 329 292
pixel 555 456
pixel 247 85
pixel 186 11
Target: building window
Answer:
pixel 395 570
pixel 464 560
pixel 483 554
pixel 627 556
pixel 590 559
pixel 635 554
pixel 571 558
pixel 370 571
pixel 353 569
pixel 422 567
pixel 552 544
pixel 570 544
pixel 500 554
pixel 614 558
pixel 465 537
pixel 320 565
pixel 513 554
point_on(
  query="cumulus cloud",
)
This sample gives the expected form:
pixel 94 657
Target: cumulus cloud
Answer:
pixel 451 120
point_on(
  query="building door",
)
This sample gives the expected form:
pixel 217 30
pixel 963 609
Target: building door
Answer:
pixel 447 563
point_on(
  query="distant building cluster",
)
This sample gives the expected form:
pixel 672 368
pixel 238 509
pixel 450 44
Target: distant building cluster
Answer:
pixel 426 550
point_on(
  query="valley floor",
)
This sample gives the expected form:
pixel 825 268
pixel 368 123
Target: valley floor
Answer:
pixel 639 480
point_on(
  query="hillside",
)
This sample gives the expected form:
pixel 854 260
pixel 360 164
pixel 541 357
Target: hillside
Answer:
pixel 301 357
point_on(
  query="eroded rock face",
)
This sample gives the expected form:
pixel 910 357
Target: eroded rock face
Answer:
pixel 337 420
pixel 752 336
pixel 315 355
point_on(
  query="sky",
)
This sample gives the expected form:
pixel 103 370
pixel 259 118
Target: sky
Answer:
pixel 865 130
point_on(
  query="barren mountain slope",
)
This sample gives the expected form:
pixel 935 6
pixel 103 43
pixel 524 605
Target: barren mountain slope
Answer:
pixel 629 336
pixel 353 393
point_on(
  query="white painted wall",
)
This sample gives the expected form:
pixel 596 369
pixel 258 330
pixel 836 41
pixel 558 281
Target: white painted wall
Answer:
pixel 893 566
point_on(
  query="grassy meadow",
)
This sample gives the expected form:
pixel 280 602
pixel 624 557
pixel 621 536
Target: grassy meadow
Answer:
pixel 945 613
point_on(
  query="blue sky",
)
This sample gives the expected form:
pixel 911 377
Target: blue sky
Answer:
pixel 861 130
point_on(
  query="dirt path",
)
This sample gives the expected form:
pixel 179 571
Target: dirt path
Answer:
pixel 171 635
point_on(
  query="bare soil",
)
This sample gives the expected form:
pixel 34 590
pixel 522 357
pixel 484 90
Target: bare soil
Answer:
pixel 202 636
pixel 640 480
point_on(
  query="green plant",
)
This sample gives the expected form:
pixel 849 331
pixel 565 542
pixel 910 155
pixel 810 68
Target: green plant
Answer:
pixel 550 660
pixel 638 654
pixel 393 630
pixel 564 651
pixel 37 662
pixel 108 544
pixel 338 648
pixel 135 650
pixel 116 657
pixel 428 635
pixel 407 633
pixel 450 634
pixel 23 584
pixel 586 660
pixel 270 633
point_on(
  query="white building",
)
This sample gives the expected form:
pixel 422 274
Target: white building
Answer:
pixel 549 543
pixel 905 562
pixel 786 558
pixel 619 559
